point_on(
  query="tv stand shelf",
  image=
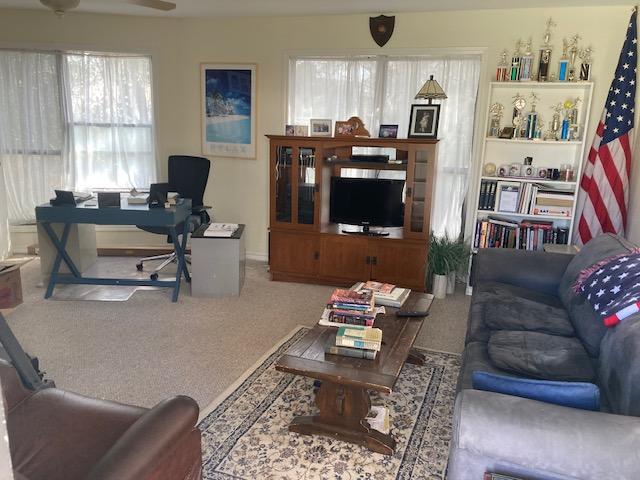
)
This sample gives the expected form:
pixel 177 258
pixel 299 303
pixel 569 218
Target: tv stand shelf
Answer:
pixel 305 247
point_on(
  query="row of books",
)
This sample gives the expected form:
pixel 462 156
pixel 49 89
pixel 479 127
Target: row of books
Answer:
pixel 356 341
pixel 495 232
pixel 525 198
pixel 487 200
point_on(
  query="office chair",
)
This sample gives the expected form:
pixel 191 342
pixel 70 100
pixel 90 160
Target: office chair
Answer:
pixel 188 176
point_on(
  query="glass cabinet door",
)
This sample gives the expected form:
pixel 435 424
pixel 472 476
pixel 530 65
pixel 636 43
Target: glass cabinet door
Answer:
pixel 306 185
pixel 417 193
pixel 283 174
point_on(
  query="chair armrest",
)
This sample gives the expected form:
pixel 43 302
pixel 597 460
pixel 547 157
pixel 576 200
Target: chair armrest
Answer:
pixel 148 440
pixel 540 271
pixel 502 433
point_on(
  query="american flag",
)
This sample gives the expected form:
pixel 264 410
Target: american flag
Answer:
pixel 613 287
pixel 604 187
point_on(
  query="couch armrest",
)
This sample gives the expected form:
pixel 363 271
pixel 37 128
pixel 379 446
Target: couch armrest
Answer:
pixel 540 271
pixel 502 433
pixel 146 443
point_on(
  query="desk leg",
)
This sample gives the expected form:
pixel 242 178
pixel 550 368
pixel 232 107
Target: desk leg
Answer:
pixel 182 267
pixel 185 237
pixel 60 246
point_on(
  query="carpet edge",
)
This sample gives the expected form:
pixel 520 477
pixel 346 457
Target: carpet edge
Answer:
pixel 236 383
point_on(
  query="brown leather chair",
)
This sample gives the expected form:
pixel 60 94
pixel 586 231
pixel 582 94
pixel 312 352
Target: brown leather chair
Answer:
pixel 59 435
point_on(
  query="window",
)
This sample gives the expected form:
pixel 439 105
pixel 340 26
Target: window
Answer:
pixel 380 90
pixel 80 121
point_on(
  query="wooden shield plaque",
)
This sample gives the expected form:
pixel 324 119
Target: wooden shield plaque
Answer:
pixel 381 28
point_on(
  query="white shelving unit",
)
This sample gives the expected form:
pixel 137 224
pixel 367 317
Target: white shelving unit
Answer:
pixel 545 153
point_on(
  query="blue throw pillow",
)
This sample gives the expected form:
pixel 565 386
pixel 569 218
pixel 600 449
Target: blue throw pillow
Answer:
pixel 569 394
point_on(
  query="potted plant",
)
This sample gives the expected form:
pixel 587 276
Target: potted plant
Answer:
pixel 439 265
pixel 458 259
pixel 446 256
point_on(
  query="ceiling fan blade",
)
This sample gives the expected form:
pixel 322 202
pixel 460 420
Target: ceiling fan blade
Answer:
pixel 157 4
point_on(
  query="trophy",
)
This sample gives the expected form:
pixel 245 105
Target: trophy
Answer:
pixel 514 73
pixel 585 67
pixel 519 103
pixel 495 111
pixel 531 127
pixel 563 63
pixel 573 54
pixel 526 62
pixel 545 53
pixel 554 124
pixel 502 72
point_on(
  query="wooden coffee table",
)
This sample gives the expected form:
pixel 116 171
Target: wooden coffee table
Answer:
pixel 343 397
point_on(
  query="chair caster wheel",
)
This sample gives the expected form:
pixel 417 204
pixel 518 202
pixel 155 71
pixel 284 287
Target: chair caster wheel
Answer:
pixel 153 276
pixel 139 266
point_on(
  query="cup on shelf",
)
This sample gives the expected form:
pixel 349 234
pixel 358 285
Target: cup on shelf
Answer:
pixel 503 170
pixel 542 172
pixel 515 170
pixel 566 172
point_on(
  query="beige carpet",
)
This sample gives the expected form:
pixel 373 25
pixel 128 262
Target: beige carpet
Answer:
pixel 147 348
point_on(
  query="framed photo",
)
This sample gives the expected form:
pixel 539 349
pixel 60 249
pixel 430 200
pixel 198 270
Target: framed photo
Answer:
pixel 388 131
pixel 423 122
pixel 228 97
pixel 289 130
pixel 506 132
pixel 301 130
pixel 320 127
pixel 344 129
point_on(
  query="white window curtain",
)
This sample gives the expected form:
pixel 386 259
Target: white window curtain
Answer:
pixel 108 108
pixel 79 121
pixel 31 132
pixel 321 88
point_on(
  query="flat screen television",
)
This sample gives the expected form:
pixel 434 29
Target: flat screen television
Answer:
pixel 367 202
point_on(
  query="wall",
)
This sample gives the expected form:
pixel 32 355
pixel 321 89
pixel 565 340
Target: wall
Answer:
pixel 238 189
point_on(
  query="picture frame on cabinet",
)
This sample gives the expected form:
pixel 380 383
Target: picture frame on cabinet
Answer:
pixel 388 131
pixel 320 127
pixel 423 122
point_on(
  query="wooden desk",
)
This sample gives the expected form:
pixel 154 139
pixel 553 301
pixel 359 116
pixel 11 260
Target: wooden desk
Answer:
pixel 343 398
pixel 125 215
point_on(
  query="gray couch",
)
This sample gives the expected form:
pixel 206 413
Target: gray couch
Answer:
pixel 524 292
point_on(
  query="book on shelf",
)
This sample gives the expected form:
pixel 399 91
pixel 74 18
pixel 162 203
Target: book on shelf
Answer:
pixel 351 352
pixel 359 337
pixel 396 298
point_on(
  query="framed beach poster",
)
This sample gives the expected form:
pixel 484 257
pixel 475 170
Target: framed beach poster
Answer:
pixel 228 95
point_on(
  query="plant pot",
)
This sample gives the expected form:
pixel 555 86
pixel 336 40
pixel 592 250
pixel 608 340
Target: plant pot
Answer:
pixel 439 286
pixel 451 283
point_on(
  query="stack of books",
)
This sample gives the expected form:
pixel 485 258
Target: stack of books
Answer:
pixel 351 308
pixel 358 342
pixel 385 294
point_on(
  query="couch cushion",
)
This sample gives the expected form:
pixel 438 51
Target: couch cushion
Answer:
pixel 619 367
pixel 540 355
pixel 517 313
pixel 586 322
pixel 474 358
pixel 490 295
pixel 568 394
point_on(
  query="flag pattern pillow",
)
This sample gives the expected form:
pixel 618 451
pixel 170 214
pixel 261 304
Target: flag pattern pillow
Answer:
pixel 612 287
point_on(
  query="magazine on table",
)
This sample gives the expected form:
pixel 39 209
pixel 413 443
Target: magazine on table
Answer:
pixel 396 298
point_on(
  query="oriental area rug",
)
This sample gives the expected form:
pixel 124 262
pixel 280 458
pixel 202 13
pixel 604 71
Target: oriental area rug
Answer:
pixel 245 435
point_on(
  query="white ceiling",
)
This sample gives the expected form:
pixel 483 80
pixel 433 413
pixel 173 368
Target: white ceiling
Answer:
pixel 211 8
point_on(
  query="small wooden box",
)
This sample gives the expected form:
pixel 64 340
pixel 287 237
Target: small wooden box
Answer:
pixel 10 286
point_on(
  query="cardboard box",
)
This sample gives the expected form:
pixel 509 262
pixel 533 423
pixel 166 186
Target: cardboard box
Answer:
pixel 10 285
